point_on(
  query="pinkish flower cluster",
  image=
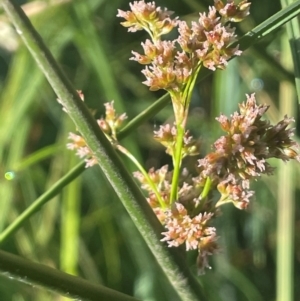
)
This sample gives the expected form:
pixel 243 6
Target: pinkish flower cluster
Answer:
pixel 112 121
pixel 194 232
pixel 184 229
pixel 184 203
pixel 108 125
pixel 241 155
pixel 232 12
pixel 186 222
pixel 238 157
pixel 82 150
pixel 146 16
pixel 166 135
pixel 206 42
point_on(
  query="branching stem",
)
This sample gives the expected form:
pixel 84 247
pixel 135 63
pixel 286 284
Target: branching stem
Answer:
pixel 124 151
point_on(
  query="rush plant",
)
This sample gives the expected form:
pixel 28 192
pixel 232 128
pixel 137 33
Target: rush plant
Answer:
pixel 186 202
pixel 175 207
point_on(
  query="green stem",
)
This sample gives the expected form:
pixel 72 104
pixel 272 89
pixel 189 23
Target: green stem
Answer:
pixel 187 94
pixel 177 163
pixel 124 151
pixel 269 26
pixel 148 113
pixel 285 233
pixel 205 190
pixel 180 117
pixel 17 268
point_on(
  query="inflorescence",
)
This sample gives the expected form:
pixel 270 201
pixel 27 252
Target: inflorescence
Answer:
pixel 186 204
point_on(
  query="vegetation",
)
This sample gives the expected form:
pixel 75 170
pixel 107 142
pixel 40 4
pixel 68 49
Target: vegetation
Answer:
pixel 58 213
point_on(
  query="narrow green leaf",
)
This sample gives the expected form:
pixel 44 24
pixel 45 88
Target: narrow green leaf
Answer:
pixel 17 268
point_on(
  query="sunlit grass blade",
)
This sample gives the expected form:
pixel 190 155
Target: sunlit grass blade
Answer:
pixel 70 214
pixel 293 31
pixel 286 176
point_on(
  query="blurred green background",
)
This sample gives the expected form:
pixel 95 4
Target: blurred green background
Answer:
pixel 85 230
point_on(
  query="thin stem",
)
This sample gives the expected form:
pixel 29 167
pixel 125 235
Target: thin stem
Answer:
pixel 180 117
pixel 293 32
pixel 187 94
pixel 177 162
pixel 145 115
pixel 205 190
pixel 268 26
pixel 124 151
pixel 70 222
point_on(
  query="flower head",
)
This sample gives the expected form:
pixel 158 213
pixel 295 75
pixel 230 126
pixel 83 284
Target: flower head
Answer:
pixel 194 232
pixel 112 121
pixel 182 228
pixel 167 134
pixel 232 12
pixel 155 20
pixel 108 125
pixel 82 150
pixel 241 155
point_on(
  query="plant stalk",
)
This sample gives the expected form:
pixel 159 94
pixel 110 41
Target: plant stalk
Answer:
pixel 23 270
